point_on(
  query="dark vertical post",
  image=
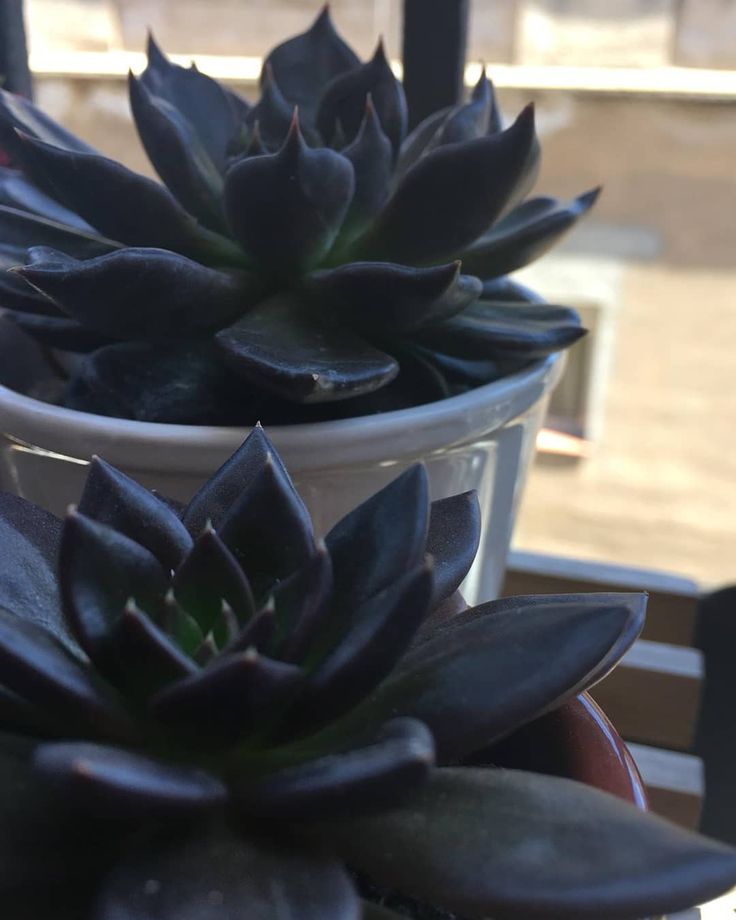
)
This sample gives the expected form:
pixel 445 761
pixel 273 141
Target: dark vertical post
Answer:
pixel 435 41
pixel 14 72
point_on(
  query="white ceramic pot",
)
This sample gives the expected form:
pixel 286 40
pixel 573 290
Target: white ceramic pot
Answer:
pixel 483 440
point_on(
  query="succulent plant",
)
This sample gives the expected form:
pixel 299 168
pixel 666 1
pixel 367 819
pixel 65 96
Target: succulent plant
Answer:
pixel 211 714
pixel 302 251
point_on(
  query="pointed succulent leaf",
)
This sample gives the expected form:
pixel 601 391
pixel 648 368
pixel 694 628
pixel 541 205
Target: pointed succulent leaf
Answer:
pixel 452 540
pixel 420 140
pixel 451 196
pixel 180 383
pixel 372 157
pixel 37 667
pixel 209 575
pixel 301 603
pixel 110 497
pixel 219 492
pixel 280 347
pixel 213 874
pixel 147 294
pixel 58 332
pixel 344 99
pixel 30 539
pixel 501 330
pixel 366 779
pixel 496 669
pixel 20 230
pixel 538 847
pixel 177 154
pixel 17 113
pixel 383 297
pixel 258 633
pixel 115 782
pixel 120 203
pixel 100 570
pixel 182 627
pixel 270 118
pixel 303 66
pixel 139 658
pixel 267 528
pixel 228 698
pixel 202 101
pixel 286 208
pixel 17 192
pixel 525 234
pixel 470 120
pixel 379 541
pixel 378 633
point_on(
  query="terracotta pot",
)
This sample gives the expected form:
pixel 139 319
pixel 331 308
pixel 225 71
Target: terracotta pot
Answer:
pixel 576 741
pixel 483 439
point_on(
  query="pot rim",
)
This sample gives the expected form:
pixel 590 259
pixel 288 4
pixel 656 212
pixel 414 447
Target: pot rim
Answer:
pixel 425 429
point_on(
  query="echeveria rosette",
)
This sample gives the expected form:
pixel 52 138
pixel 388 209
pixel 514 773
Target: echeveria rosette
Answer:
pixel 212 714
pixel 301 251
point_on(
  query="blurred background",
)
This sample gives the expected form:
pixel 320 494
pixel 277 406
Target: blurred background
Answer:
pixel 638 465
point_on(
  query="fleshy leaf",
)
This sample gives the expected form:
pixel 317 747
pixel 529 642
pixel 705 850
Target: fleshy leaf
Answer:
pixel 17 295
pixel 451 196
pixel 280 347
pixel 420 140
pixel 383 297
pixel 538 847
pixel 470 120
pixel 452 540
pixel 37 667
pixel 220 491
pixel 286 208
pixel 228 698
pixel 267 527
pixel 378 634
pixel 19 231
pixel 200 100
pixel 488 330
pixel 213 874
pixel 344 100
pixel 270 118
pixel 30 539
pixel 42 842
pixel 525 234
pixel 366 779
pixel 110 497
pixel 58 332
pixel 182 383
pixel 121 204
pixel 209 575
pixel 143 293
pixel 177 154
pixel 140 659
pixel 17 113
pixel 300 604
pixel 496 667
pixel 381 540
pixel 372 157
pixel 304 65
pixel 113 781
pixel 17 192
pixel 99 571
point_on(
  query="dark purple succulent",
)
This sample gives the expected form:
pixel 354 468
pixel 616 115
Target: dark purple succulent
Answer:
pixel 212 715
pixel 302 250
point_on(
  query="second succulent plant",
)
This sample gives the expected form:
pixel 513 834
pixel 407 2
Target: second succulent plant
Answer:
pixel 304 257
